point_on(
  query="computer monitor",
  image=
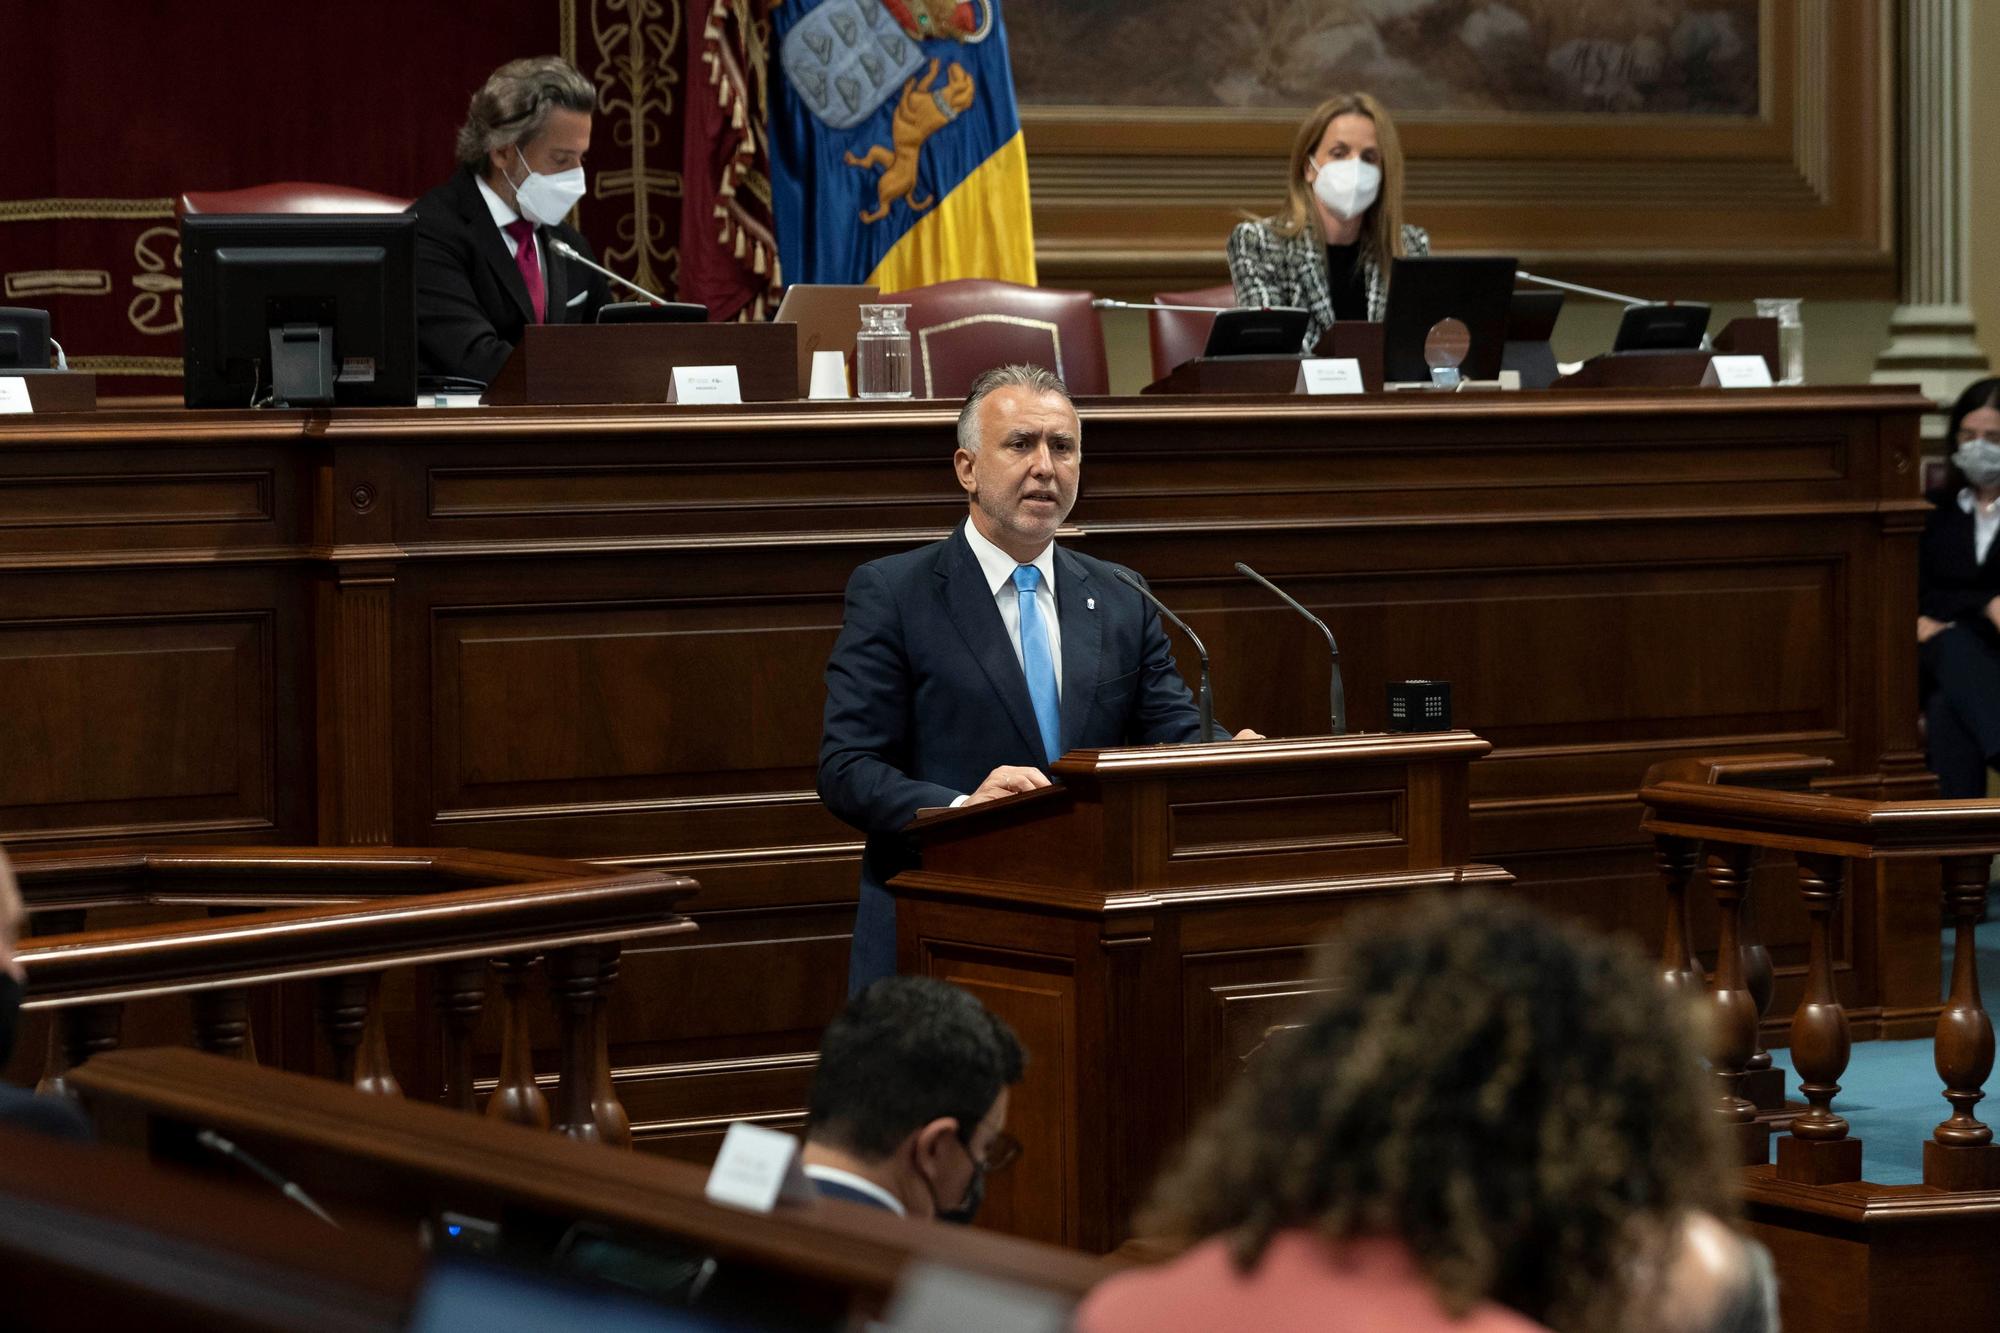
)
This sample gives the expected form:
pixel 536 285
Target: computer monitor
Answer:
pixel 299 309
pixel 1672 327
pixel 1475 290
pixel 1278 330
pixel 24 338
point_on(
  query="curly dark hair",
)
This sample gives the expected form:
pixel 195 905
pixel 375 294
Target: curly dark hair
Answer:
pixel 1518 1100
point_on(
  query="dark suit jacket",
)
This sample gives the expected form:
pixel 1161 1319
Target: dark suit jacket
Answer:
pixel 54 1116
pixel 924 698
pixel 833 1189
pixel 1951 584
pixel 471 301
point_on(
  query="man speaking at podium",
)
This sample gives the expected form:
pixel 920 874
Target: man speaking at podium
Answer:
pixel 484 268
pixel 964 668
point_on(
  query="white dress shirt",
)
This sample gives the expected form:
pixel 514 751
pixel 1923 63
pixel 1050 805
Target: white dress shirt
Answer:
pixel 999 569
pixel 834 1175
pixel 504 217
pixel 1984 525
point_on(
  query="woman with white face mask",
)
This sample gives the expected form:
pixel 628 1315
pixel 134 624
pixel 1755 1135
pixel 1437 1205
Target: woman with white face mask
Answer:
pixel 486 268
pixel 1328 249
pixel 1958 601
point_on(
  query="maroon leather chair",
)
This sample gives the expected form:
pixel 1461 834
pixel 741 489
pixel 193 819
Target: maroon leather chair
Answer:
pixel 291 197
pixel 962 328
pixel 1179 336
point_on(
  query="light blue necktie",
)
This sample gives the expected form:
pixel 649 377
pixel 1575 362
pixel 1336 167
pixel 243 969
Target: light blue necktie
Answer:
pixel 1038 662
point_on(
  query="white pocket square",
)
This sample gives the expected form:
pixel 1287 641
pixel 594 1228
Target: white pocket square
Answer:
pixel 579 298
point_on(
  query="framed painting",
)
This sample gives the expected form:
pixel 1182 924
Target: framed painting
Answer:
pixel 1714 148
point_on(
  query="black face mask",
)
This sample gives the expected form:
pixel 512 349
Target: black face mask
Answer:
pixel 975 1194
pixel 10 1011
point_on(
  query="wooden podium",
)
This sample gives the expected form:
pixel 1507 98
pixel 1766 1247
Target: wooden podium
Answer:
pixel 1147 923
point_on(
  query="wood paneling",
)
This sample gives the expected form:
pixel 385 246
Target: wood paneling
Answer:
pixel 602 632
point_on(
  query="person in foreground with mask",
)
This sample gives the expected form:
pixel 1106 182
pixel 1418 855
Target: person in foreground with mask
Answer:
pixel 1958 601
pixel 1488 1122
pixel 909 1104
pixel 19 1108
pixel 485 268
pixel 1327 251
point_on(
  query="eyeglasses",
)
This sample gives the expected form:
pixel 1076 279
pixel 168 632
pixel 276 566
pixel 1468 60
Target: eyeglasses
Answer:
pixel 1001 1153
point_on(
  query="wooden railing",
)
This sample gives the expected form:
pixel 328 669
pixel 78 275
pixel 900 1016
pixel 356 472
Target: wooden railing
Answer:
pixel 1700 823
pixel 400 1163
pixel 573 919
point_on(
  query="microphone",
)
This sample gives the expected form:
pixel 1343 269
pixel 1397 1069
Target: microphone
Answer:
pixel 1580 289
pixel 1107 303
pixel 214 1142
pixel 568 251
pixel 1339 693
pixel 1206 699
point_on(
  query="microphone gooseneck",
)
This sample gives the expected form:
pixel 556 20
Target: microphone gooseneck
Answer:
pixel 1339 693
pixel 1579 288
pixel 1205 700
pixel 1111 303
pixel 568 251
pixel 215 1143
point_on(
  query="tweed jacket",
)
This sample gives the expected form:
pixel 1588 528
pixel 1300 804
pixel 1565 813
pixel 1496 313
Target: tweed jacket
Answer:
pixel 1269 269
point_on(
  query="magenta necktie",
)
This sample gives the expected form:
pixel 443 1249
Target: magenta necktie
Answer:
pixel 523 232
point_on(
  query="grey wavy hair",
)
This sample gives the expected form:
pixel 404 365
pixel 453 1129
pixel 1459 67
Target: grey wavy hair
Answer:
pixel 1039 378
pixel 515 103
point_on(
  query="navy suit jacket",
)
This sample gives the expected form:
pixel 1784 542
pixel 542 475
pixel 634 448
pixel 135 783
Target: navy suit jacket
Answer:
pixel 925 697
pixel 471 301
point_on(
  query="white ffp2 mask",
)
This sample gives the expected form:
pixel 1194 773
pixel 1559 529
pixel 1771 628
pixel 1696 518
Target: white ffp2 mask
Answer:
pixel 547 200
pixel 1348 187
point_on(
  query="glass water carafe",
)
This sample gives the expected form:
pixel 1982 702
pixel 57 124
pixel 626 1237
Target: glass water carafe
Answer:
pixel 882 353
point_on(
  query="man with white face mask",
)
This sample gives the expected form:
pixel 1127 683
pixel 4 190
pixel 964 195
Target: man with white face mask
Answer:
pixel 485 269
pixel 1328 249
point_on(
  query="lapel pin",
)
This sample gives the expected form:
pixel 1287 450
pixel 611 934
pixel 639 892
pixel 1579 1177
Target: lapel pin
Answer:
pixel 1090 603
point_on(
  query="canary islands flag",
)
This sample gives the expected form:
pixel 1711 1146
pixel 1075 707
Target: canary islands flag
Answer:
pixel 896 152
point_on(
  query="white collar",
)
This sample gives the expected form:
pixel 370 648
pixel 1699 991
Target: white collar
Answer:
pixel 999 567
pixel 833 1175
pixel 503 215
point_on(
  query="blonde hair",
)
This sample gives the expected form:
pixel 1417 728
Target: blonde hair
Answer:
pixel 1382 225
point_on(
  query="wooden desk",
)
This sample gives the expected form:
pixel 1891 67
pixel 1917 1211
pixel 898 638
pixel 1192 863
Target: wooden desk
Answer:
pixel 601 632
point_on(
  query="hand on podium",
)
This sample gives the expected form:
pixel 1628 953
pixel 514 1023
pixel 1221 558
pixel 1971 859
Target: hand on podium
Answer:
pixel 1007 780
pixel 1248 735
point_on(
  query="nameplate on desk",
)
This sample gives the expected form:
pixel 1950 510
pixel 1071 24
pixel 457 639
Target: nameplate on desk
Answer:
pixel 1329 374
pixel 14 395
pixel 1737 372
pixel 704 384
pixel 757 1168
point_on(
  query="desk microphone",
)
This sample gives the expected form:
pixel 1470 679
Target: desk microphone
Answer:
pixel 215 1143
pixel 1206 699
pixel 1339 693
pixel 568 251
pixel 1107 303
pixel 1579 288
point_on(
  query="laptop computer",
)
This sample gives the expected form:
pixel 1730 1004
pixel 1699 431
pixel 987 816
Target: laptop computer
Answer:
pixel 828 316
pixel 1475 290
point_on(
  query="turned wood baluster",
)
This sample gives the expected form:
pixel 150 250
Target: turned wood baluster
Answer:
pixel 79 1032
pixel 516 1098
pixel 1820 1039
pixel 588 1109
pixel 1734 1037
pixel 1964 1050
pixel 350 1014
pixel 460 995
pixel 222 1023
pixel 1757 979
pixel 1677 857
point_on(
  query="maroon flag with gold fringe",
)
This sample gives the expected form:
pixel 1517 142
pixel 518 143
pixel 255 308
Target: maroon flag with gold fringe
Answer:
pixel 729 254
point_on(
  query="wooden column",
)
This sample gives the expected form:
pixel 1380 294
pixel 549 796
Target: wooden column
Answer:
pixel 79 1032
pixel 460 995
pixel 1961 1154
pixel 580 978
pixel 222 1022
pixel 1677 858
pixel 1818 1150
pixel 351 1017
pixel 516 1098
pixel 1734 1038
